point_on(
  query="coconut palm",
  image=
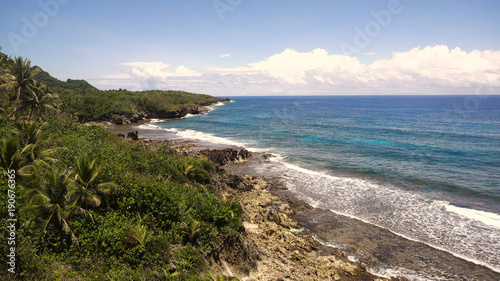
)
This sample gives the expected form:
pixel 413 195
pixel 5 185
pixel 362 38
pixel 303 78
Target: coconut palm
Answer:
pixel 12 155
pixel 22 82
pixel 50 199
pixel 85 175
pixel 191 230
pixel 228 202
pixel 41 103
pixel 28 133
pixel 5 78
pixel 139 232
pixel 29 138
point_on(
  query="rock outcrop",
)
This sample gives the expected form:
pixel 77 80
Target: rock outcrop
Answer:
pixel 175 113
pixel 222 157
pixel 133 135
pixel 272 248
pixel 182 111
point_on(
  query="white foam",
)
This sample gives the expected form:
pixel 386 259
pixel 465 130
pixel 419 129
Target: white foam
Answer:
pixel 213 106
pixel 205 137
pixel 150 126
pixel 471 235
pixel 188 115
pixel 201 136
pixel 154 120
pixel 389 273
pixel 482 216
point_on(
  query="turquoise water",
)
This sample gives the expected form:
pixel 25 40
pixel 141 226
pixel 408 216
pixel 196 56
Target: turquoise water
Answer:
pixel 424 167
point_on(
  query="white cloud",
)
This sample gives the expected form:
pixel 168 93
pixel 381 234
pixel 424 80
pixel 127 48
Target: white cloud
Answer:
pixel 428 70
pixel 432 66
pixel 154 75
pixel 225 55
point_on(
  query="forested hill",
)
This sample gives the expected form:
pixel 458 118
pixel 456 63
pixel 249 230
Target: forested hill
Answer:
pixel 70 84
pixel 41 95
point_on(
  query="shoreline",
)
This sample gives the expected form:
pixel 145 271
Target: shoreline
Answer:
pixel 278 247
pixel 382 244
pixel 383 252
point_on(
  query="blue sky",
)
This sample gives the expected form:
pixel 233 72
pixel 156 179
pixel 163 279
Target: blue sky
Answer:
pixel 240 47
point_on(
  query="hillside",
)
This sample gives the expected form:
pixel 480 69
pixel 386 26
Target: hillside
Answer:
pixel 70 84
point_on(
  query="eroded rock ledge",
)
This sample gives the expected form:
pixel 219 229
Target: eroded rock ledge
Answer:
pixel 177 112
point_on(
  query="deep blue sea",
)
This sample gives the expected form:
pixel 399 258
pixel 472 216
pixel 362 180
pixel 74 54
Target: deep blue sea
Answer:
pixel 425 167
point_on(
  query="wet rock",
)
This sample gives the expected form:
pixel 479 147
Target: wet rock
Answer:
pixel 133 135
pixel 119 120
pixel 222 157
pixel 134 118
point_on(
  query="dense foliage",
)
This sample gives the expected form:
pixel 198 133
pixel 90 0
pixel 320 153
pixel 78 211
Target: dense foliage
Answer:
pixel 30 91
pixel 90 206
pixel 92 105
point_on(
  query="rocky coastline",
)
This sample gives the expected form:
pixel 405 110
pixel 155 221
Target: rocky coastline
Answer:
pixel 279 240
pixel 272 245
pixel 175 113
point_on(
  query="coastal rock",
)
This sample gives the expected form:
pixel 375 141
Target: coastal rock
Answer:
pixel 182 111
pixel 134 118
pixel 274 252
pixel 222 157
pixel 118 121
pixel 133 135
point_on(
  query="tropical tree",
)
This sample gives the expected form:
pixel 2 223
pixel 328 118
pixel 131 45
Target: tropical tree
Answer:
pixel 5 78
pixel 50 199
pixel 12 155
pixel 28 133
pixel 191 230
pixel 139 232
pixel 23 82
pixel 29 138
pixel 41 103
pixel 228 202
pixel 88 189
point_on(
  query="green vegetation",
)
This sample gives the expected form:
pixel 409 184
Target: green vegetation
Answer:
pixel 33 93
pixel 90 206
pixel 94 105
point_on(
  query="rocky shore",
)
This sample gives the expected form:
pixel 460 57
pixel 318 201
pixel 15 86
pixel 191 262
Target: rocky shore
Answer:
pixel 174 113
pixel 272 245
pixel 283 238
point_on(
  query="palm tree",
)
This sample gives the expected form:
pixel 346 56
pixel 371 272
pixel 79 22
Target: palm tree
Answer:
pixel 12 156
pixel 228 202
pixel 50 199
pixel 28 135
pixel 41 103
pixel 5 78
pixel 23 82
pixel 191 230
pixel 139 232
pixel 85 177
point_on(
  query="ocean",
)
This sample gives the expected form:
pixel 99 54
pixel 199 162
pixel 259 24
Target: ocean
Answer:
pixel 425 168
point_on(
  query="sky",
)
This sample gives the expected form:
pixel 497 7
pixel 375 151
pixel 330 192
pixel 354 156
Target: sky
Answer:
pixel 262 47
